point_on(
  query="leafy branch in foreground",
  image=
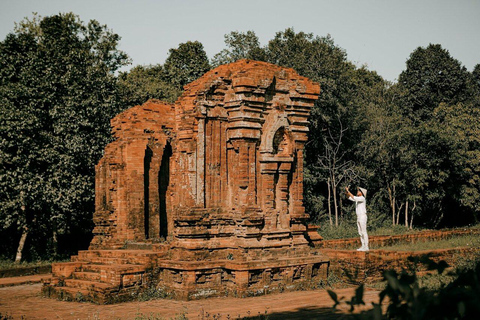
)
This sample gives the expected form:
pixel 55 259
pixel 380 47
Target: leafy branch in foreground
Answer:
pixel 460 299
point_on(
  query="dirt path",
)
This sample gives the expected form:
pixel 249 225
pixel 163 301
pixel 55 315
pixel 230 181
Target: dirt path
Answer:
pixel 18 281
pixel 26 301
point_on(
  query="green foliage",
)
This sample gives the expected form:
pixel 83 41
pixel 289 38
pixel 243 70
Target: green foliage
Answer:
pixel 466 241
pixel 185 64
pixel 432 77
pixel 406 299
pixel 331 135
pixel 476 78
pixel 142 83
pixel 163 82
pixel 58 92
pixel 419 145
pixel 152 293
pixel 457 300
pixel 413 143
pixel 6 264
pixel 404 142
pixel 240 46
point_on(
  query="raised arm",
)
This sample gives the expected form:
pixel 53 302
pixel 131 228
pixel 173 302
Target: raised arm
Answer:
pixel 351 197
pixel 348 193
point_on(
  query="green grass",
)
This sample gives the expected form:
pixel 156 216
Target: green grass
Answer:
pixel 6 264
pixel 348 229
pixel 471 241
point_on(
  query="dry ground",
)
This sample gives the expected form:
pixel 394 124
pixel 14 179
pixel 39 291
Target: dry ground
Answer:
pixel 26 301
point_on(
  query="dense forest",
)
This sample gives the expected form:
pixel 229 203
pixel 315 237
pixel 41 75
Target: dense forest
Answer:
pixel 414 144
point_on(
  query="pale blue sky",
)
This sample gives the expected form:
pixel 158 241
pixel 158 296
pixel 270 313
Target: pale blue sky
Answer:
pixel 378 33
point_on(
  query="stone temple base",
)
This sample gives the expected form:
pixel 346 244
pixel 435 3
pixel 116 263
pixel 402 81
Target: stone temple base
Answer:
pixel 110 276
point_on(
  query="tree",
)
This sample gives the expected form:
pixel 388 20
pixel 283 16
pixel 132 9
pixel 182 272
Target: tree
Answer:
pixel 432 76
pixel 338 169
pixel 240 46
pixel 164 82
pixel 476 79
pixel 432 88
pixel 58 93
pixel 142 83
pixel 461 149
pixel 185 64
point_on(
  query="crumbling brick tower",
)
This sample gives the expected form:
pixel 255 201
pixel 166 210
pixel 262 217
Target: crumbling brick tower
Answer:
pixel 209 191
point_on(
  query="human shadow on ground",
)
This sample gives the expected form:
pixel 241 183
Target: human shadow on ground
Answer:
pixel 312 313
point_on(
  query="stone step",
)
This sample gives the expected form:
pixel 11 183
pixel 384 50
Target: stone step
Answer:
pixel 139 246
pixel 88 285
pixel 91 276
pixel 71 293
pixel 65 269
pixel 114 268
pixel 76 294
pixel 102 260
pixel 117 256
pixel 116 253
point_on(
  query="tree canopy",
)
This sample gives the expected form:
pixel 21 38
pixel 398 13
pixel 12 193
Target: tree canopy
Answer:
pixel 58 93
pixel 414 144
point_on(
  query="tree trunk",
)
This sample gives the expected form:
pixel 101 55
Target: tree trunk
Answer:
pixel 329 202
pixel 398 214
pixel 55 244
pixel 391 197
pixel 336 207
pixel 21 245
pixel 413 210
pixel 23 238
pixel 340 206
pixel 406 214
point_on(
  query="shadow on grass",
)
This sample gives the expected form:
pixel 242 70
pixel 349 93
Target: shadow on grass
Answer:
pixel 313 313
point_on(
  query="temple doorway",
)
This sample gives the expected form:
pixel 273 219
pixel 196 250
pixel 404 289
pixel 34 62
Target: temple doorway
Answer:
pixel 156 184
pixel 163 184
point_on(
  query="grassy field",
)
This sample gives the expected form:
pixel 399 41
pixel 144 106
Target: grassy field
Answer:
pixel 472 241
pixel 348 229
pixel 9 264
pixel 8 268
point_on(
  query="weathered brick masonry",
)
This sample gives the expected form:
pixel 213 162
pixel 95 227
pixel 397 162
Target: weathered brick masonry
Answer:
pixel 208 191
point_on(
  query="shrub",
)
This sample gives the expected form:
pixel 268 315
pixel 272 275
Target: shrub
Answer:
pixel 459 299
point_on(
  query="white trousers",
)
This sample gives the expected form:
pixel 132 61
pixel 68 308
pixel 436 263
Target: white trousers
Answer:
pixel 362 230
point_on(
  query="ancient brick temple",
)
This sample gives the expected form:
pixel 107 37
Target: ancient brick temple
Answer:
pixel 205 196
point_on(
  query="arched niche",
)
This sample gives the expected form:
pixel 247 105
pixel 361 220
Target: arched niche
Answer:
pixel 282 143
pixel 277 137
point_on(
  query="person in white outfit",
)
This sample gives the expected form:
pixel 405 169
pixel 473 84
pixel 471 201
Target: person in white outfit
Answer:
pixel 361 210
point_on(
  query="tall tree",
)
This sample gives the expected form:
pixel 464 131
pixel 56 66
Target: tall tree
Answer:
pixel 432 76
pixel 185 64
pixel 58 93
pixel 460 132
pixel 240 45
pixel 146 82
pixel 476 79
pixel 433 87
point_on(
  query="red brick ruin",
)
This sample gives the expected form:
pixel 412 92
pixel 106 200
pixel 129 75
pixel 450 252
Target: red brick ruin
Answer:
pixel 204 197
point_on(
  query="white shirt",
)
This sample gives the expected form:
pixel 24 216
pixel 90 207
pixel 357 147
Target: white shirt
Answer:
pixel 360 207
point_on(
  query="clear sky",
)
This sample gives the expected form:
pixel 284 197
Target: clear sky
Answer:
pixel 378 33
